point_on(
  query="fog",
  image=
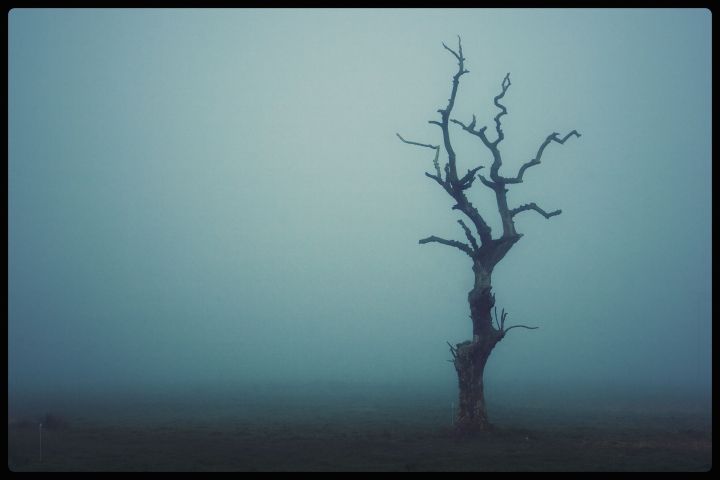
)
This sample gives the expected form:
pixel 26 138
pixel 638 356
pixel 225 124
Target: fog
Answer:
pixel 214 198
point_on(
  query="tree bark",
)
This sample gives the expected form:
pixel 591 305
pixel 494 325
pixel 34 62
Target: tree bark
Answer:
pixel 470 357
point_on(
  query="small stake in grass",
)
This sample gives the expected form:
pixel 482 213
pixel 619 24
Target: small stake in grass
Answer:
pixel 40 430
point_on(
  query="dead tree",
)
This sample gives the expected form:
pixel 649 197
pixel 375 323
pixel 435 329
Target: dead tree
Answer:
pixel 485 251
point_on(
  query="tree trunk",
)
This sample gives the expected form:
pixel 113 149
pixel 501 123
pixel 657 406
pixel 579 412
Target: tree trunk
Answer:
pixel 471 357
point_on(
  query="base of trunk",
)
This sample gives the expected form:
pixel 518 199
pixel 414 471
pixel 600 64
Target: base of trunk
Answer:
pixel 468 427
pixel 470 359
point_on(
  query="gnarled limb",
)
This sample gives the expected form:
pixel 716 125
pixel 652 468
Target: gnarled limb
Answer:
pixel 467 180
pixel 496 182
pixel 452 243
pixel 469 236
pixel 533 206
pixel 471 130
pixel 482 228
pixel 553 137
pixel 445 112
pixel 503 111
pixel 480 133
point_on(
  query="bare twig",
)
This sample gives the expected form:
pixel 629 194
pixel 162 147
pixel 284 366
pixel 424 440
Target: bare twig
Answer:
pixel 426 145
pixel 452 243
pixel 453 350
pixel 533 206
pixel 458 56
pixel 500 322
pixel 519 326
pixel 436 163
pixel 438 178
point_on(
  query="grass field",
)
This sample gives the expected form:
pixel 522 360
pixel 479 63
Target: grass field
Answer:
pixel 344 428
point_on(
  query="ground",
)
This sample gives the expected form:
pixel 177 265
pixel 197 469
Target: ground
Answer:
pixel 332 432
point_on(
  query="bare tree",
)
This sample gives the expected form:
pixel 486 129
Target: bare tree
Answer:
pixel 471 356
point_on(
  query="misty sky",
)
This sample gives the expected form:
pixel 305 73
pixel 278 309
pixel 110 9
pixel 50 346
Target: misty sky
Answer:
pixel 219 195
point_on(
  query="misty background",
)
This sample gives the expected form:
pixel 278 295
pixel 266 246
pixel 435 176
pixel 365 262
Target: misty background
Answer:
pixel 218 197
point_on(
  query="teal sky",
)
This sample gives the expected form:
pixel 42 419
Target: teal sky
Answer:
pixel 219 195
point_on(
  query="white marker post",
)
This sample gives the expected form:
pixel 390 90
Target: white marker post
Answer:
pixel 40 430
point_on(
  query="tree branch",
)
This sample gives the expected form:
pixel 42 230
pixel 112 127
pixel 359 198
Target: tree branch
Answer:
pixel 471 130
pixel 467 180
pixel 492 146
pixel 487 182
pixel 455 186
pixel 436 164
pixel 453 350
pixel 533 206
pixel 500 322
pixel 469 236
pixel 553 137
pixel 445 112
pixel 482 228
pixel 458 56
pixel 503 111
pixel 519 326
pixel 438 178
pixel 426 145
pixel 452 243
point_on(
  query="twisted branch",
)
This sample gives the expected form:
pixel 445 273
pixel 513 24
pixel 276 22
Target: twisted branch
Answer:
pixel 455 186
pixel 445 112
pixel 533 206
pixel 553 137
pixel 503 111
pixel 452 243
pixel 471 130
